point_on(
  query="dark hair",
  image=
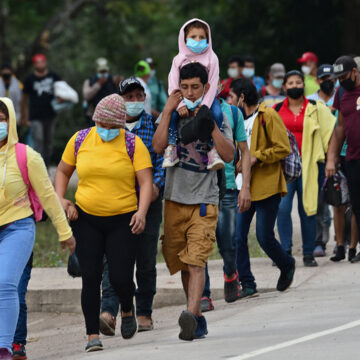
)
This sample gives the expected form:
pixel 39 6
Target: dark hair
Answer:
pixel 4 109
pixel 249 58
pixel 197 25
pixel 293 73
pixel 194 70
pixel 6 65
pixel 246 87
pixel 236 58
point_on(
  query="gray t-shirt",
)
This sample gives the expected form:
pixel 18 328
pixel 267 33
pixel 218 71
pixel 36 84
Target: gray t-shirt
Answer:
pixel 189 182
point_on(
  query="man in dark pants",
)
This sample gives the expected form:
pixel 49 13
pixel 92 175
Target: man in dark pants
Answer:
pixel 345 69
pixel 141 124
pixel 19 342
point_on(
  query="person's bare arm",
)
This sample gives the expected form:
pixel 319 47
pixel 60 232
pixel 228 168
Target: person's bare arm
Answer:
pixel 160 138
pixel 244 199
pixel 336 142
pixel 145 181
pixel 224 146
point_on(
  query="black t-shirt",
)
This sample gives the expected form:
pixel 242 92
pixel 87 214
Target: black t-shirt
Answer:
pixel 40 91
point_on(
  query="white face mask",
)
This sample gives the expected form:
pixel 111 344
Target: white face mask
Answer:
pixel 233 73
pixel 306 69
pixel 248 72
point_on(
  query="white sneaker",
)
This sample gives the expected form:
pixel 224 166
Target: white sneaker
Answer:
pixel 214 160
pixel 170 157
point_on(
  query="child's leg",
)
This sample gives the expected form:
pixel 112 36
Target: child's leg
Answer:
pixel 214 160
pixel 170 156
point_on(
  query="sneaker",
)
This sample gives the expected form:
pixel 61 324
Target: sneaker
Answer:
pixel 319 251
pixel 340 254
pixel 145 323
pixel 231 288
pixel 5 354
pixel 356 259
pixel 285 279
pixel 309 261
pixel 214 160
pixel 247 292
pixel 188 325
pixel 18 352
pixel 170 157
pixel 201 329
pixel 351 254
pixel 206 304
pixel 129 326
pixel 94 345
pixel 107 324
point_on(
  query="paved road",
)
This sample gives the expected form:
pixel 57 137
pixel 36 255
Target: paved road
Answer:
pixel 318 319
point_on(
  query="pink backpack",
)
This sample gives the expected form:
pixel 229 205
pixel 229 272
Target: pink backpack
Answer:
pixel 21 158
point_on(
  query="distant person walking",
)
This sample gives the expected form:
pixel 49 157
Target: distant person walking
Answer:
pixel 108 215
pixel 309 67
pixel 24 185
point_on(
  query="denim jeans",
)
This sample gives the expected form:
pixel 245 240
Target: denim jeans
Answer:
pixel 284 222
pixel 225 235
pixel 145 268
pixel 43 133
pixel 266 212
pixel 16 244
pixel 21 328
pixel 216 111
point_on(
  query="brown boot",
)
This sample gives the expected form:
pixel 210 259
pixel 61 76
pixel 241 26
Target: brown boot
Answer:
pixel 145 323
pixel 107 324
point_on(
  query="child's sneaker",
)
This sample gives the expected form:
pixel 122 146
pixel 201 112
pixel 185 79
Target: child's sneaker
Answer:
pixel 214 160
pixel 170 157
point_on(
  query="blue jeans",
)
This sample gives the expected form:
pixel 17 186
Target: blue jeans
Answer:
pixel 173 132
pixel 284 222
pixel 266 212
pixel 145 268
pixel 225 235
pixel 21 328
pixel 16 244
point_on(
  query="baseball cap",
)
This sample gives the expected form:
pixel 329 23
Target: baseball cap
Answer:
pixel 277 70
pixel 150 61
pixel 308 56
pixel 38 57
pixel 129 84
pixel 343 65
pixel 324 70
pixel 102 64
pixel 142 68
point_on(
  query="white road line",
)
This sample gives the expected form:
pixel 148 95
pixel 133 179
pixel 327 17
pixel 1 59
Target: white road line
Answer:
pixel 296 341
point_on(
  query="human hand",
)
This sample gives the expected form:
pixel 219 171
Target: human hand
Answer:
pixel 238 167
pixel 196 110
pixel 183 111
pixel 330 168
pixel 244 199
pixel 70 209
pixel 70 243
pixel 138 222
pixel 173 101
pixel 253 160
pixel 155 193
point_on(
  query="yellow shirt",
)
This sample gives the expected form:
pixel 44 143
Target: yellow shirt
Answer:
pixel 106 173
pixel 14 201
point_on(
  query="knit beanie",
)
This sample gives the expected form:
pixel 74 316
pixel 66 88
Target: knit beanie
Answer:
pixel 111 110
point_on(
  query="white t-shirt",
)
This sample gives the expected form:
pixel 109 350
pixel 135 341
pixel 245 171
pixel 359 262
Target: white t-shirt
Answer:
pixel 249 123
pixel 131 125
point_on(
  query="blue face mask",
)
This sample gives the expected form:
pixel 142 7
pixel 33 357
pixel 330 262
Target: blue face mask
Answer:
pixel 134 108
pixel 277 83
pixel 3 131
pixel 100 75
pixel 248 72
pixel 197 46
pixel 107 134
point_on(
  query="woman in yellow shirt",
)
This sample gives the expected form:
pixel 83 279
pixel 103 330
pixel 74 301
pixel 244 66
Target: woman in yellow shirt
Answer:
pixel 108 214
pixel 17 225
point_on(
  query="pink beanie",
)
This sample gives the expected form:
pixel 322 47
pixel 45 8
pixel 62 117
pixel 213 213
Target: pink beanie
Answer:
pixel 111 110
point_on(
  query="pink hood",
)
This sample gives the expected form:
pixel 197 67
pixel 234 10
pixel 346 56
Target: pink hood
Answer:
pixel 207 58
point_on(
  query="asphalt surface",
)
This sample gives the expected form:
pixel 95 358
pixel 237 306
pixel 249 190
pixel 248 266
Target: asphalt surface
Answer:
pixel 318 318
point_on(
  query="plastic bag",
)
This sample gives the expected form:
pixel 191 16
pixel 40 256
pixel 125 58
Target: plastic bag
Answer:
pixel 73 267
pixel 336 191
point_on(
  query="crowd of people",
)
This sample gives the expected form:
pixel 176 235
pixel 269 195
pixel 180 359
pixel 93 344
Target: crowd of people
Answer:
pixel 212 153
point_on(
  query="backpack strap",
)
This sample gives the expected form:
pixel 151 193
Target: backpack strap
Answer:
pixel 313 102
pixel 80 137
pixel 130 144
pixel 278 106
pixel 234 111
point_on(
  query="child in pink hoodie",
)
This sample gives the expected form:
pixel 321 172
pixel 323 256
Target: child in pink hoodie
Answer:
pixel 194 46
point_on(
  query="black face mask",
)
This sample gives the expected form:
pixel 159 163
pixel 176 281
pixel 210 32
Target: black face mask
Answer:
pixel 348 84
pixel 295 93
pixel 6 77
pixel 327 87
